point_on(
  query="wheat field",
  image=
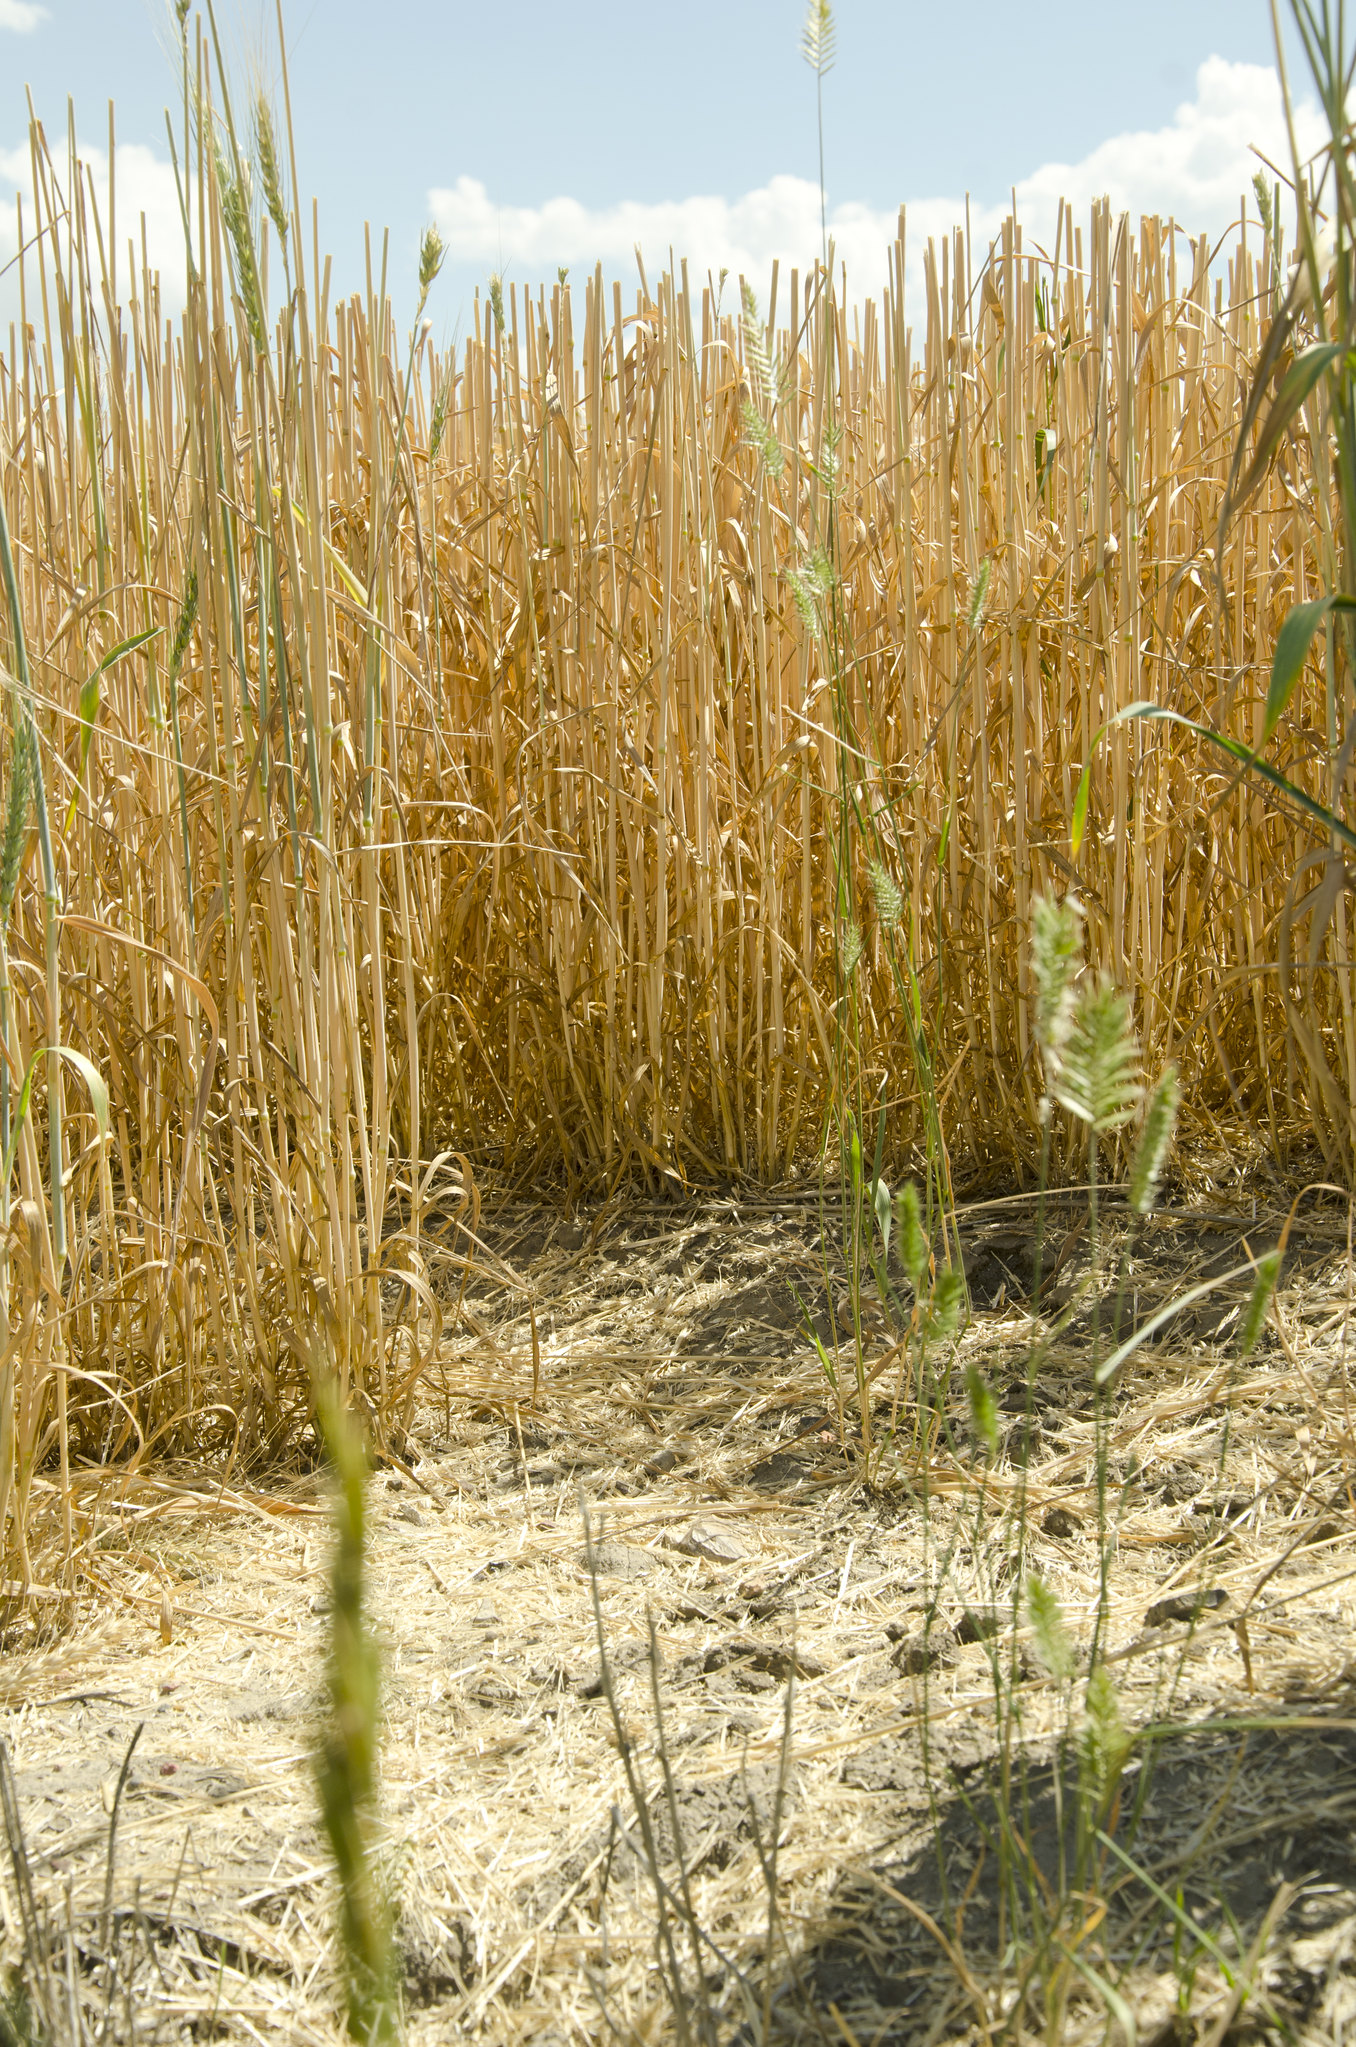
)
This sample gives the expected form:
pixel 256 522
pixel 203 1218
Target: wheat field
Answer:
pixel 690 946
pixel 426 759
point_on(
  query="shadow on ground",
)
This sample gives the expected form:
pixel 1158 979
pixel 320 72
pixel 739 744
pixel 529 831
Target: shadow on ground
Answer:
pixel 1220 1819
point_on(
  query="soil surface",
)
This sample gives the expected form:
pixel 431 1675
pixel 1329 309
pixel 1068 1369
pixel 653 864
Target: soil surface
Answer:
pixel 807 1653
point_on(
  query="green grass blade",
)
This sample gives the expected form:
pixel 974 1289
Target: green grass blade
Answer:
pixel 89 704
pixel 1111 1365
pixel 1292 650
pixel 1297 386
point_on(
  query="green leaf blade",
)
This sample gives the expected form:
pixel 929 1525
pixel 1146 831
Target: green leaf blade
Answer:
pixel 1292 651
pixel 1297 387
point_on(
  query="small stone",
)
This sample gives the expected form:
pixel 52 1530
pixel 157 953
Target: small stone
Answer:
pixel 1184 1606
pixel 980 1623
pixel 919 1653
pixel 485 1615
pixel 622 1656
pixel 768 1661
pixel 813 1424
pixel 169 1769
pixel 662 1461
pixel 620 1560
pixel 716 1545
pixel 692 1608
pixel 1059 1522
pixel 778 1470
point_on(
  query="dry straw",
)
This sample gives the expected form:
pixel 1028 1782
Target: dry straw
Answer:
pixel 478 789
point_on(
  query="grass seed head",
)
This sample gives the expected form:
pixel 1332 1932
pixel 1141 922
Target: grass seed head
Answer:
pixel 756 358
pixel 1053 1642
pixel 1155 1140
pixel 183 629
pixel 1259 1300
pixel 16 810
pixel 983 1409
pixel 442 398
pixel 266 162
pixel 979 596
pixel 1097 1078
pixel 913 1244
pixel 432 255
pixel 811 584
pixel 235 212
pixel 1104 1744
pixel 818 37
pixel 944 1310
pixel 888 894
pixel 760 436
pixel 1056 955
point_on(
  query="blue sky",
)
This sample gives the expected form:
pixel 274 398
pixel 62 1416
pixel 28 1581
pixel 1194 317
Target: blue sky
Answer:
pixel 540 134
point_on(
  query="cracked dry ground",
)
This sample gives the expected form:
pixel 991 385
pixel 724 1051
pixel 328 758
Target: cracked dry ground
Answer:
pixel 679 1399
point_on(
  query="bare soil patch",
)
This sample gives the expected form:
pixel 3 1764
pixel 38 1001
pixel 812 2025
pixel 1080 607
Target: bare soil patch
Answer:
pixel 679 1401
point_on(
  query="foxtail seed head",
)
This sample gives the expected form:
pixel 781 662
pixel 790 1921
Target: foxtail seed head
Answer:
pixel 1056 948
pixel 817 38
pixel 1155 1140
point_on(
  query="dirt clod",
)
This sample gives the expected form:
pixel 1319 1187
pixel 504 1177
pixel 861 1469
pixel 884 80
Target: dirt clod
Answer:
pixel 1184 1606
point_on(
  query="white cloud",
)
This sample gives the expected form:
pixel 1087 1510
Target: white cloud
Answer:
pixel 144 183
pixel 1195 170
pixel 21 16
